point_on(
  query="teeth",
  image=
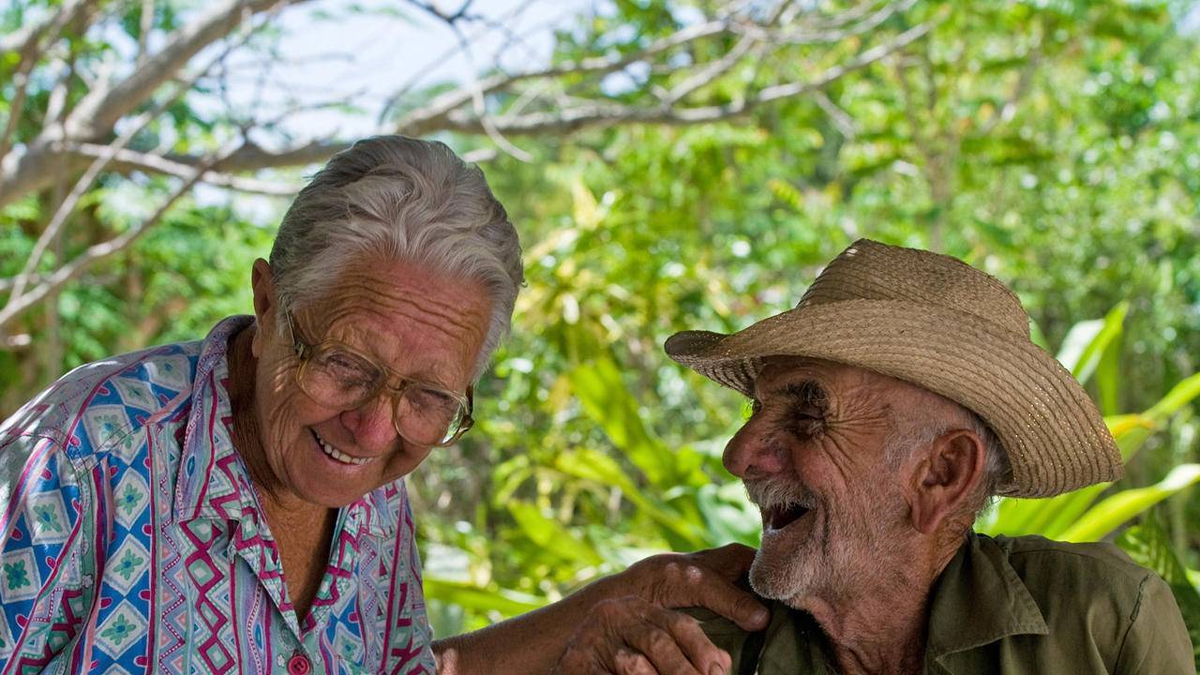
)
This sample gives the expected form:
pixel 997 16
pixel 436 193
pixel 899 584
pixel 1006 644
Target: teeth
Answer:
pixel 338 454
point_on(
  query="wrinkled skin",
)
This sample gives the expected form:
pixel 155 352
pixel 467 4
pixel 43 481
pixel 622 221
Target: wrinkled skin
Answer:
pixel 816 438
pixel 636 634
pixel 420 324
pixel 881 514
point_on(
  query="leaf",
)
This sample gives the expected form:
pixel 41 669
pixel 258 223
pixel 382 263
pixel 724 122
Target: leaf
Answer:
pixel 602 393
pixel 469 596
pixel 1180 395
pixel 596 466
pixel 1087 342
pixel 550 535
pixel 1123 506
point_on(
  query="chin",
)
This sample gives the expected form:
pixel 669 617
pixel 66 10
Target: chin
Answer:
pixel 776 579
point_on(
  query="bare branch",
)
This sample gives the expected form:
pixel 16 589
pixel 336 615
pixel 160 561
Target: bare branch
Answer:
pixel 606 114
pixel 128 160
pixel 101 108
pixel 417 121
pixel 841 120
pixel 26 40
pixel 723 64
pixel 35 168
pixel 145 25
pixel 32 44
pixel 19 303
pixel 110 151
pixel 835 31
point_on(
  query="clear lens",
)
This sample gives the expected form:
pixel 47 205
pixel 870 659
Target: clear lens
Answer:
pixel 339 379
pixel 428 416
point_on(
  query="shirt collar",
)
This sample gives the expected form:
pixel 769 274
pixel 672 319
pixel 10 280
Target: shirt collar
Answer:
pixel 213 482
pixel 979 599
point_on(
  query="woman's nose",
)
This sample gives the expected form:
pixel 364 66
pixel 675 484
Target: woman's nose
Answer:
pixel 371 423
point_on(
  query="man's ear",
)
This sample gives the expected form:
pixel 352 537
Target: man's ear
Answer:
pixel 266 304
pixel 945 478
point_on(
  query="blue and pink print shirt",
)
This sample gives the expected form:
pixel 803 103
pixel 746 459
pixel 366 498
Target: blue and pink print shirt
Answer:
pixel 131 539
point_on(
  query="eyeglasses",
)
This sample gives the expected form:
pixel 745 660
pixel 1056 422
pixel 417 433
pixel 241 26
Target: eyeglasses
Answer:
pixel 338 376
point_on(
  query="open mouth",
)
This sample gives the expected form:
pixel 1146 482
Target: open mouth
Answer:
pixel 778 517
pixel 338 455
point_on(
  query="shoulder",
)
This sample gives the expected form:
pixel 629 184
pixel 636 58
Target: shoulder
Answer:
pixel 1098 567
pixel 99 405
pixel 1096 590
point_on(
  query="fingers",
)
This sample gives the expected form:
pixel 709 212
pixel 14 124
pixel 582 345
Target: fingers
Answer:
pixel 706 579
pixel 736 605
pixel 691 641
pixel 731 561
pixel 629 636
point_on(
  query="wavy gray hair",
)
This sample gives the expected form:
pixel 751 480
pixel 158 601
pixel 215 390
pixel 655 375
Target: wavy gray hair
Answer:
pixel 405 199
pixel 909 435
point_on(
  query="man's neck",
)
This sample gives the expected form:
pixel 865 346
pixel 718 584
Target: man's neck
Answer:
pixel 881 627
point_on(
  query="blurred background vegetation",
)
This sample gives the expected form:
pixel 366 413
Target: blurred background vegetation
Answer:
pixel 1052 143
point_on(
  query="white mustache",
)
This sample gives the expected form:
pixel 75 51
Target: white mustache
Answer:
pixel 779 492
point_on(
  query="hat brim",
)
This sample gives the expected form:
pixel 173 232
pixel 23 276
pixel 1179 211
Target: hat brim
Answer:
pixel 1055 438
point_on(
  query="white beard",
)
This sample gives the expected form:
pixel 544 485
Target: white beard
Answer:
pixel 832 556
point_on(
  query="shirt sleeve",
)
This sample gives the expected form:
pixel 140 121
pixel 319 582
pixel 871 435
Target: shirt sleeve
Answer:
pixel 1157 640
pixel 47 552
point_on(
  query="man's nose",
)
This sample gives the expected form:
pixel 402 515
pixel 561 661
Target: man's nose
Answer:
pixel 754 453
pixel 371 423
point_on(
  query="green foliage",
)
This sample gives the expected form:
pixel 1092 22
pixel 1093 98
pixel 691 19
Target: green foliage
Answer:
pixel 1030 139
pixel 1055 145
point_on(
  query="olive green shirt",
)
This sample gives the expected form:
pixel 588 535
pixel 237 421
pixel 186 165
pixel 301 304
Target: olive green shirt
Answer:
pixel 1005 606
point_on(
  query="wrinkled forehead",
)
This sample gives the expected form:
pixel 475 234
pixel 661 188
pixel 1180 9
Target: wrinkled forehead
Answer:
pixel 824 383
pixel 776 370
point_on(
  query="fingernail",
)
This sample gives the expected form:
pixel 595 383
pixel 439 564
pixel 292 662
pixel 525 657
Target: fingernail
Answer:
pixel 716 669
pixel 761 616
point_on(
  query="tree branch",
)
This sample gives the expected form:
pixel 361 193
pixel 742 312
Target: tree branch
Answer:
pixel 30 51
pixel 605 114
pixel 126 161
pixel 101 108
pixel 426 117
pixel 19 303
pixel 101 161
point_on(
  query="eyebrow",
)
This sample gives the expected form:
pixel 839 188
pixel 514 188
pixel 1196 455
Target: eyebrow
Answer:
pixel 807 393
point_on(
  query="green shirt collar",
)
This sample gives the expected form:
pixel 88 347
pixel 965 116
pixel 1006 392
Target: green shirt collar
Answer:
pixel 979 599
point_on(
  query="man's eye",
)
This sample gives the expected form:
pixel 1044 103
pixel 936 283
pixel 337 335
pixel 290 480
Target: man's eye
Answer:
pixel 805 422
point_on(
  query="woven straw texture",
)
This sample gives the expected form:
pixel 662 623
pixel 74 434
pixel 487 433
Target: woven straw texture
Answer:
pixel 938 323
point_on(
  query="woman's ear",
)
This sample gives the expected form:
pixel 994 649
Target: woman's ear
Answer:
pixel 266 304
pixel 946 478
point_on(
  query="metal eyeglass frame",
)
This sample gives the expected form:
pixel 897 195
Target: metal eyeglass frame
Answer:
pixel 304 352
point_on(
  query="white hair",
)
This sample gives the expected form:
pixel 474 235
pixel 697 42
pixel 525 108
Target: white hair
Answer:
pixel 909 435
pixel 403 199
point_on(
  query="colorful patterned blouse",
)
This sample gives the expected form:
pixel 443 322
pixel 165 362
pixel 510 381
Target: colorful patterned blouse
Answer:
pixel 131 540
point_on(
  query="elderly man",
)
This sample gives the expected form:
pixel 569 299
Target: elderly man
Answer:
pixel 888 406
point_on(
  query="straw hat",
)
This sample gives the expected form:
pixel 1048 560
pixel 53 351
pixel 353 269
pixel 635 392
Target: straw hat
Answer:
pixel 940 324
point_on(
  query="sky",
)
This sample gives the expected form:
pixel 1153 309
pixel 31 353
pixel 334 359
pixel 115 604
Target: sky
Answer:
pixel 363 52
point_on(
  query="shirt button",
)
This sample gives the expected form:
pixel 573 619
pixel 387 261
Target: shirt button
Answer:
pixel 299 665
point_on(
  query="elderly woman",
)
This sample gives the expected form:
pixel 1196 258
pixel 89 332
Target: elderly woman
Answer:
pixel 237 505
